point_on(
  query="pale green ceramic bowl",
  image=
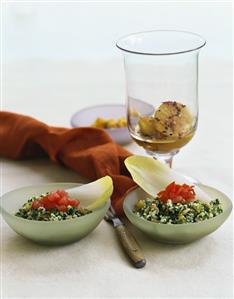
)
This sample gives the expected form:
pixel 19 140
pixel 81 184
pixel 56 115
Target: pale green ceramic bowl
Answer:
pixel 177 233
pixel 47 232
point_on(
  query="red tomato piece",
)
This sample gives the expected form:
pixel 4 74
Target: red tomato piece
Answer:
pixel 62 193
pixel 36 204
pixel 49 205
pixel 56 200
pixel 54 196
pixel 50 197
pixel 46 198
pixel 63 201
pixel 177 193
pixel 73 202
pixel 62 208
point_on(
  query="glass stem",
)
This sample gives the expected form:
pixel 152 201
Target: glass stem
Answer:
pixel 164 158
pixel 168 161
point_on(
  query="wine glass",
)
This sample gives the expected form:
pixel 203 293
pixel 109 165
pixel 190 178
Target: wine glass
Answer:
pixel 161 70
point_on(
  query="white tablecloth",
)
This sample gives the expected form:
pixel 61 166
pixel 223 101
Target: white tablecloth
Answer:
pixel 96 266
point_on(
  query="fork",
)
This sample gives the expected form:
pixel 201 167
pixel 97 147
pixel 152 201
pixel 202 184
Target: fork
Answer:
pixel 127 240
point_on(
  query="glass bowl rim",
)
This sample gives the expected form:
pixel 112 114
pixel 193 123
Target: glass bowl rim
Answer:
pixel 160 54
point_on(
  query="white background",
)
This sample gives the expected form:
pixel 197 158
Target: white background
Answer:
pixel 65 53
pixel 71 31
pixel 61 57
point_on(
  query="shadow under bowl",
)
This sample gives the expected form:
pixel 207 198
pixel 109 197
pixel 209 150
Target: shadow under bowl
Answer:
pixel 48 232
pixel 87 116
pixel 177 233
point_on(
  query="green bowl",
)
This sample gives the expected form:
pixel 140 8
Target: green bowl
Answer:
pixel 47 232
pixel 177 233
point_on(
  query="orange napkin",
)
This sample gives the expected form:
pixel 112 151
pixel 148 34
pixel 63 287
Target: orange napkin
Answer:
pixel 88 151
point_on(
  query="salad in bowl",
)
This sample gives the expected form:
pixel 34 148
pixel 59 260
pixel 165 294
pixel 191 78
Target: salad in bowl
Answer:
pixel 57 213
pixel 167 207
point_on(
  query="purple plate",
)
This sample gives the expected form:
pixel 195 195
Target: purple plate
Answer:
pixel 87 116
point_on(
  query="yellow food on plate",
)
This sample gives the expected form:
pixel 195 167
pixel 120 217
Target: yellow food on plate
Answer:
pixel 109 123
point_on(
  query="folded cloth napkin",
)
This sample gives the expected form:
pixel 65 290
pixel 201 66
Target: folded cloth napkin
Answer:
pixel 88 151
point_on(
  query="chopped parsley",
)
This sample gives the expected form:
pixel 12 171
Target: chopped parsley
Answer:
pixel 155 210
pixel 42 214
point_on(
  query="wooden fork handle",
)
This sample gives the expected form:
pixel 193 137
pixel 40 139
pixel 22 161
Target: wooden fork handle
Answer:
pixel 131 246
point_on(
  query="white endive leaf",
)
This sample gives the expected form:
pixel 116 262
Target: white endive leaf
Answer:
pixel 93 195
pixel 153 176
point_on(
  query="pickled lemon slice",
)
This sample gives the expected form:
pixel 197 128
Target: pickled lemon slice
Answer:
pixel 173 119
pixel 147 126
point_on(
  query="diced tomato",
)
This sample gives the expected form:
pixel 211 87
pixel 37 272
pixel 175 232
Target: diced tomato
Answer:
pixel 177 193
pixel 54 196
pixel 62 193
pixel 46 198
pixel 62 208
pixel 55 200
pixel 63 201
pixel 73 203
pixel 36 204
pixel 49 205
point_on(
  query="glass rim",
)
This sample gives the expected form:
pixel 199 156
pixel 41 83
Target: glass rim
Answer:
pixel 126 49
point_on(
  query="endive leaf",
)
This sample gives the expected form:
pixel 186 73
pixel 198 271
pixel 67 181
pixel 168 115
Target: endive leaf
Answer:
pixel 93 195
pixel 153 176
